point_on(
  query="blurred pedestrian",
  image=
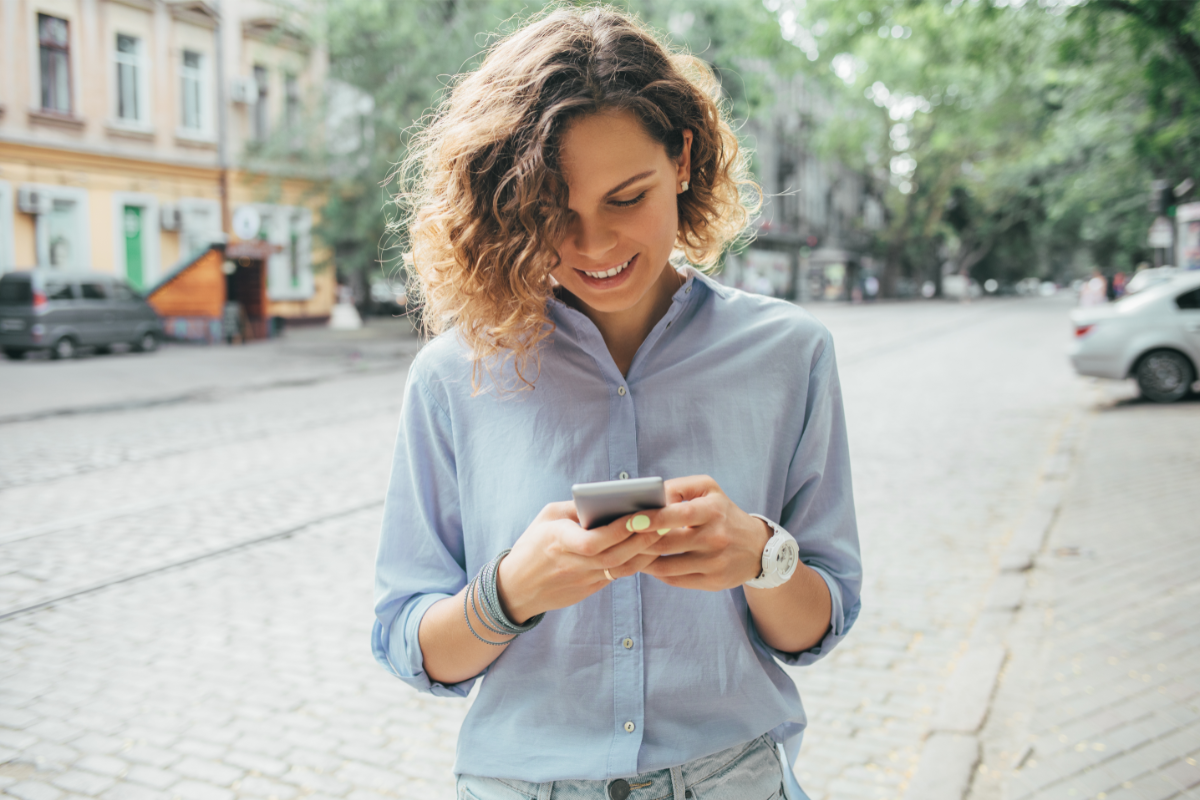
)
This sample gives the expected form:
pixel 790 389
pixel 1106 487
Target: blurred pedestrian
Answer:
pixel 549 194
pixel 1118 285
pixel 1094 291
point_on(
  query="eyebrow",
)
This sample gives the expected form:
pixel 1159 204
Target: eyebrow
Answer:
pixel 625 183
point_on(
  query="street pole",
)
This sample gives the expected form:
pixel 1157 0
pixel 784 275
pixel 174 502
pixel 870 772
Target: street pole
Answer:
pixel 222 117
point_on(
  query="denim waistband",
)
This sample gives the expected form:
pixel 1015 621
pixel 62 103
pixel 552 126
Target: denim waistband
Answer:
pixel 663 784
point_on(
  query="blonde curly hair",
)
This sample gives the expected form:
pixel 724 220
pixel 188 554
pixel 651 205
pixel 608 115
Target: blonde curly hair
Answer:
pixel 483 198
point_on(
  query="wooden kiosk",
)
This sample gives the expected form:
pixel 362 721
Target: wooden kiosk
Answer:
pixel 193 297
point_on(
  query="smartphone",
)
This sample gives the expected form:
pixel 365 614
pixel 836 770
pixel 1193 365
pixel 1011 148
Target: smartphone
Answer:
pixel 602 502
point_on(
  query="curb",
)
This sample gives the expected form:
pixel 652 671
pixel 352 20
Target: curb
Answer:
pixel 952 748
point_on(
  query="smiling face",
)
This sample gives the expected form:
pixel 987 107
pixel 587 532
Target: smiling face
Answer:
pixel 624 218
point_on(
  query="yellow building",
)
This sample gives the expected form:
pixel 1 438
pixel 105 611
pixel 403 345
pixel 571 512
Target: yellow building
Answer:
pixel 119 123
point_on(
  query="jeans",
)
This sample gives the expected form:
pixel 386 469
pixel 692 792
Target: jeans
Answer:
pixel 751 771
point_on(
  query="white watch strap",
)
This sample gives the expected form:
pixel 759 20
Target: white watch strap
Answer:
pixel 772 573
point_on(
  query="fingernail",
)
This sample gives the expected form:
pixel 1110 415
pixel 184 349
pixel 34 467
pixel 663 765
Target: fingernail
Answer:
pixel 640 522
pixel 627 526
pixel 663 531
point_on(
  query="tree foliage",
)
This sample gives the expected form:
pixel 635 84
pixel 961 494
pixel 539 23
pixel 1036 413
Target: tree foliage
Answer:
pixel 404 56
pixel 1023 135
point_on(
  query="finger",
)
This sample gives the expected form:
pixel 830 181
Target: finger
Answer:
pixel 633 566
pixel 681 541
pixel 619 554
pixel 682 514
pixel 684 564
pixel 692 581
pixel 560 510
pixel 592 542
pixel 689 487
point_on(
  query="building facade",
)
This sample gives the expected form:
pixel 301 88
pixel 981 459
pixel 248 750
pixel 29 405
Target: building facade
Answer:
pixel 818 215
pixel 122 123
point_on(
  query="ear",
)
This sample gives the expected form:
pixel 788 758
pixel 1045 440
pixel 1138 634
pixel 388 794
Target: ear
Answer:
pixel 683 171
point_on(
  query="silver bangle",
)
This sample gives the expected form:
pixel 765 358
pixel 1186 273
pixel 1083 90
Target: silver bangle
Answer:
pixel 483 594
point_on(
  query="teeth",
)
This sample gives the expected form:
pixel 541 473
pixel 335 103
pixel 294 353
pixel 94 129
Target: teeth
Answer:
pixel 609 273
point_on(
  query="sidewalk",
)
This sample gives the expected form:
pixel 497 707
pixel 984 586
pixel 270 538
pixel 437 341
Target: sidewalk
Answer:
pixel 182 372
pixel 1100 697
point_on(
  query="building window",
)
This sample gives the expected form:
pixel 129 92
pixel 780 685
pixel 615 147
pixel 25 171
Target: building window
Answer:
pixel 55 54
pixel 64 249
pixel 292 111
pixel 261 128
pixel 130 103
pixel 191 91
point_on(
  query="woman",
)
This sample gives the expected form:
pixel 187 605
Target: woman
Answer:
pixel 631 660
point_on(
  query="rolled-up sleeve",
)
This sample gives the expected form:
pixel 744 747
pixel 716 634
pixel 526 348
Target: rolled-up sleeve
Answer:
pixel 819 505
pixel 421 558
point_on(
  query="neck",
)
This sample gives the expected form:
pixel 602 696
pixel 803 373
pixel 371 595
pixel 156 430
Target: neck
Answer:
pixel 624 331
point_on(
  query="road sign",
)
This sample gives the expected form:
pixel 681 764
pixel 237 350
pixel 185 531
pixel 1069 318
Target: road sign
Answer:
pixel 1161 234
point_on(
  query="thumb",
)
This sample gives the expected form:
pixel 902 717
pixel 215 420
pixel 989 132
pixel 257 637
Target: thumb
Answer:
pixel 693 486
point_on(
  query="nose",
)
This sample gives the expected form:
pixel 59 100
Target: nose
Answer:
pixel 591 238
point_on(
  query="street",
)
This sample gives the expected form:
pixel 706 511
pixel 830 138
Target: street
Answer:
pixel 186 554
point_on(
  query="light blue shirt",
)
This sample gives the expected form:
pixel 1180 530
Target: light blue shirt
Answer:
pixel 736 386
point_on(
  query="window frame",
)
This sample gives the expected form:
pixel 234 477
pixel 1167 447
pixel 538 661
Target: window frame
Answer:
pixel 81 235
pixel 262 102
pixel 45 45
pixel 198 76
pixel 139 63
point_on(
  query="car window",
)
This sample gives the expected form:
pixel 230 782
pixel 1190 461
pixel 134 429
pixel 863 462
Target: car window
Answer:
pixel 1189 300
pixel 121 292
pixel 94 290
pixel 16 293
pixel 59 291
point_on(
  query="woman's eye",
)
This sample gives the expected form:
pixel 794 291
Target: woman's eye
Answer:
pixel 627 203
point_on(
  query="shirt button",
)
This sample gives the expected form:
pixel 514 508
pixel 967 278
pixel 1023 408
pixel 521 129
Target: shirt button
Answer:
pixel 627 644
pixel 688 290
pixel 629 726
pixel 621 391
pixel 624 476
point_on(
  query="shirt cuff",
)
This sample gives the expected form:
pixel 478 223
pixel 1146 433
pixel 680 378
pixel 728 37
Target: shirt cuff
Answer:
pixel 840 622
pixel 398 649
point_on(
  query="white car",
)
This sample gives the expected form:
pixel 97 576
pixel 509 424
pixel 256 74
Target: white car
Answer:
pixel 1153 336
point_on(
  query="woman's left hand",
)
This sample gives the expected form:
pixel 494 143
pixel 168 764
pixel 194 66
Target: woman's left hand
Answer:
pixel 709 542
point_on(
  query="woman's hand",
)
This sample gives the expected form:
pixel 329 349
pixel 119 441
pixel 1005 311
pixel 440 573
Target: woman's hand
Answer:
pixel 711 543
pixel 556 563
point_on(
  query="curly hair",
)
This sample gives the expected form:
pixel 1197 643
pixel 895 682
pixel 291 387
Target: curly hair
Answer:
pixel 485 201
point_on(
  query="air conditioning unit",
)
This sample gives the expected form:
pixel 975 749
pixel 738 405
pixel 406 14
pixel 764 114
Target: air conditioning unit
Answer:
pixel 33 201
pixel 170 217
pixel 243 90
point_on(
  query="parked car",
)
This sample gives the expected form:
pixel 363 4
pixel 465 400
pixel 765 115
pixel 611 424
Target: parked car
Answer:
pixel 64 311
pixel 1153 336
pixel 1152 276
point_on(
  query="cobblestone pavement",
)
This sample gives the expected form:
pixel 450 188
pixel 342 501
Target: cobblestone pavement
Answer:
pixel 1101 698
pixel 249 675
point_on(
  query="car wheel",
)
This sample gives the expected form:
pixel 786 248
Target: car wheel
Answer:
pixel 15 353
pixel 148 343
pixel 64 348
pixel 1165 376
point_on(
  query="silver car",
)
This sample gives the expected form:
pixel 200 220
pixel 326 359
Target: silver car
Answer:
pixel 1153 336
pixel 61 312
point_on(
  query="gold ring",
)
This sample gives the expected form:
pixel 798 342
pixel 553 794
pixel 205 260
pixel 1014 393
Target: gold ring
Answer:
pixel 608 575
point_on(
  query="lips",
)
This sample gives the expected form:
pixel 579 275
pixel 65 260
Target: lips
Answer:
pixel 608 278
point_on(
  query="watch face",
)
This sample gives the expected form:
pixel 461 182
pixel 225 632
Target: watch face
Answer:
pixel 786 557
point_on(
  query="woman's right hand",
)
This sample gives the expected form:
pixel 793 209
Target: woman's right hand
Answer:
pixel 556 562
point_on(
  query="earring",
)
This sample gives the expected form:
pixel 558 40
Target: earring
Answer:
pixel 683 186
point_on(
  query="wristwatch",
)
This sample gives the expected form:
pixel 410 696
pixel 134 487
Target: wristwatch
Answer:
pixel 779 558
